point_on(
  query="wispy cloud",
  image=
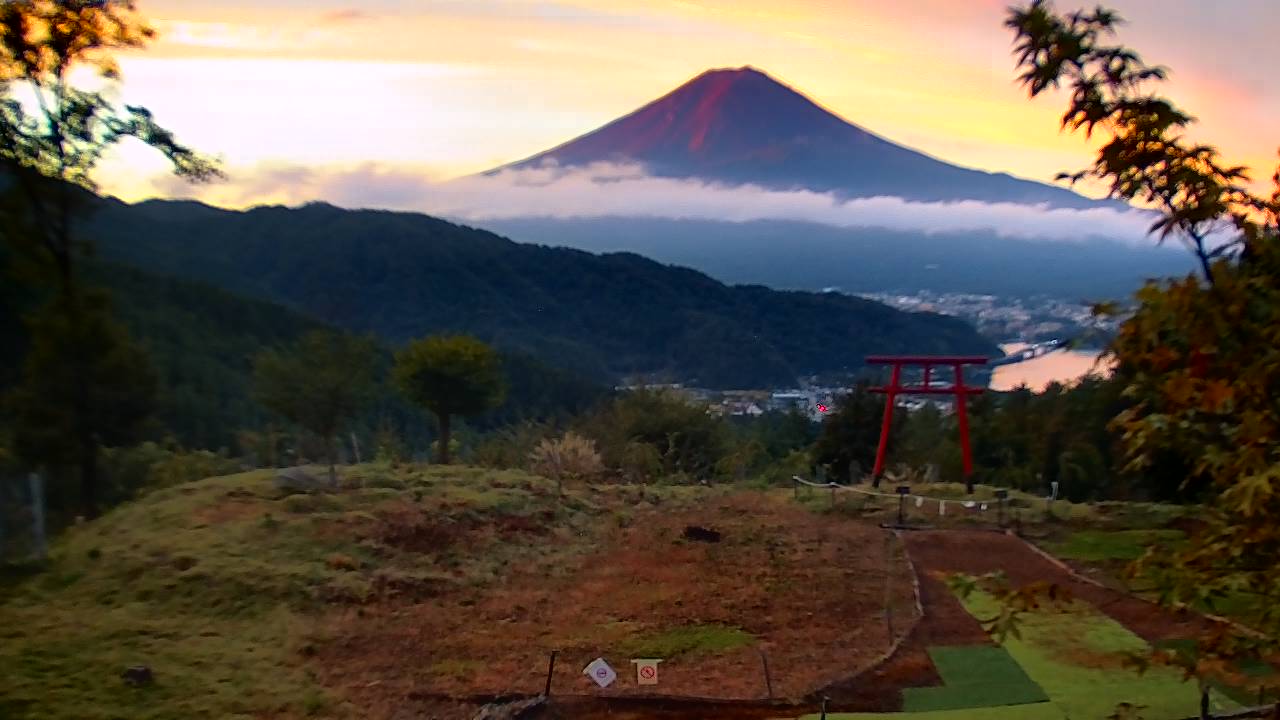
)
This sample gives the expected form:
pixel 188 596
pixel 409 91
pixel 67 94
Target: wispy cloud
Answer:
pixel 341 17
pixel 628 191
pixel 244 37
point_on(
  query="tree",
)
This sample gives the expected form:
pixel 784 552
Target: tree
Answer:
pixel 450 375
pixel 49 152
pixel 1201 356
pixel 650 432
pixel 321 382
pixel 851 433
pixel 84 385
pixel 49 147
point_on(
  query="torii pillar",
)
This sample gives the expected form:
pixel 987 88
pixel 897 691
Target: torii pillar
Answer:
pixel 896 388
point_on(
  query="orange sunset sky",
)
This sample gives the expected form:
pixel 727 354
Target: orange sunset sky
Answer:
pixel 449 87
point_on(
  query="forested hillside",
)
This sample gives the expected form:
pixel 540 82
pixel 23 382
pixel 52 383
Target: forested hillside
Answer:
pixel 404 275
pixel 202 342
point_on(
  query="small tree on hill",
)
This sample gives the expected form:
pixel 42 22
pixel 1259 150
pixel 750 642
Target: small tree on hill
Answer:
pixel 321 383
pixel 450 375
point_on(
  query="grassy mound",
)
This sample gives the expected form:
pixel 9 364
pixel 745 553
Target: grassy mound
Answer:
pixel 216 585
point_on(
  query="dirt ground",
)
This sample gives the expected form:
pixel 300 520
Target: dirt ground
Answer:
pixel 810 590
pixel 980 552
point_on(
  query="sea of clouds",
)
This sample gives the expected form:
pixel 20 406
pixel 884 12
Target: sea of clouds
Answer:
pixel 607 190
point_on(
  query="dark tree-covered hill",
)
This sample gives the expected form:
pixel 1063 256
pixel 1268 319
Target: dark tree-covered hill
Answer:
pixel 202 340
pixel 403 275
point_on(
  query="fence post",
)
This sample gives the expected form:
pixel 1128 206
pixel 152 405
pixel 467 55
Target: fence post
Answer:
pixel 37 515
pixel 551 670
pixel 3 504
pixel 768 679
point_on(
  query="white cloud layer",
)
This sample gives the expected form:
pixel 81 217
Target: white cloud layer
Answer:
pixel 626 190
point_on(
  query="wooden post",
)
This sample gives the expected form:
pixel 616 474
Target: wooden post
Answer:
pixel 768 679
pixel 888 588
pixel 551 669
pixel 37 515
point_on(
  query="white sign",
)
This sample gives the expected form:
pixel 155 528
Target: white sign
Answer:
pixel 600 671
pixel 646 671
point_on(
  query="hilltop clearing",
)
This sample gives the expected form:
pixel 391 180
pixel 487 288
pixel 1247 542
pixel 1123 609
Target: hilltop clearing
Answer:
pixel 434 589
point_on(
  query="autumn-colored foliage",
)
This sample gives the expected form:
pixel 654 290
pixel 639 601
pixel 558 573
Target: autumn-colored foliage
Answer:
pixel 1201 356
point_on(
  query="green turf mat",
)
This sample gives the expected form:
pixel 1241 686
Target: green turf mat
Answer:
pixel 1077 658
pixel 973 676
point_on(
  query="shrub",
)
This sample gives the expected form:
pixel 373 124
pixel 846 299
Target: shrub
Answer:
pixel 510 447
pixel 570 456
pixel 686 438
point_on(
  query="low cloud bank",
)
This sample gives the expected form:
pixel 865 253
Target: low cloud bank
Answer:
pixel 627 190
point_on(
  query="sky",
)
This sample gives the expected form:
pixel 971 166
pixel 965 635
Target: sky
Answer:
pixel 301 99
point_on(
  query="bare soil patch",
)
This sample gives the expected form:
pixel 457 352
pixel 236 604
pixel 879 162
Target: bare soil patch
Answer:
pixel 809 590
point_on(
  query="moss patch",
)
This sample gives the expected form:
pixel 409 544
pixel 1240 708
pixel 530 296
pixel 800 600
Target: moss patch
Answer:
pixel 1102 545
pixel 687 640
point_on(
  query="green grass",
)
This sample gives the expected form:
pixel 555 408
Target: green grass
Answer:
pixel 1077 657
pixel 1104 545
pixel 1040 711
pixel 687 640
pixel 973 676
pixel 220 585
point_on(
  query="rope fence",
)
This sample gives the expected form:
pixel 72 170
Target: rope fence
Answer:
pixel 905 496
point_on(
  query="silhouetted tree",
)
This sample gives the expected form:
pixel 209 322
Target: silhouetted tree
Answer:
pixel 49 148
pixel 84 385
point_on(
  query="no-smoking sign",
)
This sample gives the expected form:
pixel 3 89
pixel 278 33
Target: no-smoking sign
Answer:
pixel 646 671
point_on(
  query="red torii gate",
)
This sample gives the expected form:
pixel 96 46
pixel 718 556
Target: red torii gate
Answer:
pixel 896 388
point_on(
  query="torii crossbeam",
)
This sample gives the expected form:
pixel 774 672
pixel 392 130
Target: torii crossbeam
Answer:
pixel 926 387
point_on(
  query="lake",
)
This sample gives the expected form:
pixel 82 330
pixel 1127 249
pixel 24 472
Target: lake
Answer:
pixel 1064 366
